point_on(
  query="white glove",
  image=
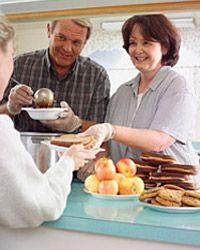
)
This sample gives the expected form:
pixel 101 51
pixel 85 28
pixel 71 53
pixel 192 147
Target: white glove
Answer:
pixel 20 95
pixel 79 155
pixel 72 121
pixel 67 121
pixel 102 132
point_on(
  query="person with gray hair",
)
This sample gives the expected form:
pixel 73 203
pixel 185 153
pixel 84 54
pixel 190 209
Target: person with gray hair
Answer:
pixel 80 85
pixel 28 196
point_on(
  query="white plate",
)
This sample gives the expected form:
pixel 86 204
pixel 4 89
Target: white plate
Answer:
pixel 112 197
pixel 43 113
pixel 62 149
pixel 176 210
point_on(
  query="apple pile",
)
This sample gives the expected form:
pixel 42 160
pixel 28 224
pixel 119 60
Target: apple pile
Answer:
pixel 114 179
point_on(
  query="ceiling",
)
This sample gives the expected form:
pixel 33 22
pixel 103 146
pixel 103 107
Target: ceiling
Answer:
pixel 18 6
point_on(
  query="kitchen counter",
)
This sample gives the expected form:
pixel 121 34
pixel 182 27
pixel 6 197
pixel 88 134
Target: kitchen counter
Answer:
pixel 89 219
pixel 126 219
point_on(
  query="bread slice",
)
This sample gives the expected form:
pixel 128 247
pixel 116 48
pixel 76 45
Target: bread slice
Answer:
pixel 157 159
pixel 66 140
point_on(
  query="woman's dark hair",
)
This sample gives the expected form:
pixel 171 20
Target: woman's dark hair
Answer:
pixel 157 28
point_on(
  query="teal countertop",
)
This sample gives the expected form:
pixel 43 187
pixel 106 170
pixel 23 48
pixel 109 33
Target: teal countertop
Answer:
pixel 85 213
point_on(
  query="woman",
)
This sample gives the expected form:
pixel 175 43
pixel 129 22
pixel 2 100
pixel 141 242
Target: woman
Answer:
pixel 27 196
pixel 155 110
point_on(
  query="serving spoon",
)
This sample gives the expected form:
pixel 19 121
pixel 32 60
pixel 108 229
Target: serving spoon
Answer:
pixel 43 97
pixel 14 80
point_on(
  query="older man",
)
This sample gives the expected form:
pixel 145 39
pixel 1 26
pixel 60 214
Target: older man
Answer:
pixel 81 83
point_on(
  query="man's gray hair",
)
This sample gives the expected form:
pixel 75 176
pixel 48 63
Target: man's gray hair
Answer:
pixel 80 21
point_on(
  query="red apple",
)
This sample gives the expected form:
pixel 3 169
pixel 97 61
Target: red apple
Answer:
pixel 108 187
pixel 131 185
pixel 105 169
pixel 126 166
pixel 118 177
pixel 92 183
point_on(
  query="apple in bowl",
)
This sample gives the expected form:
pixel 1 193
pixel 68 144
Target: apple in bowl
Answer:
pixel 105 169
pixel 92 183
pixel 131 185
pixel 110 187
pixel 118 177
pixel 126 166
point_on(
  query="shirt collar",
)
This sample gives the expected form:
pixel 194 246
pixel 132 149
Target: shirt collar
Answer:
pixel 157 80
pixel 48 62
pixel 134 84
pixel 50 66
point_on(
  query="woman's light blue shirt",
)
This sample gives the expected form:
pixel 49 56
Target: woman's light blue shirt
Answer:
pixel 168 105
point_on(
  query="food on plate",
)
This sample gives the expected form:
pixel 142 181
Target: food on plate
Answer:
pixel 144 170
pixel 178 179
pixel 131 185
pixel 150 193
pixel 191 201
pixel 144 167
pixel 191 198
pixel 126 166
pixel 108 187
pixel 157 159
pixel 162 177
pixel 159 169
pixel 166 203
pixel 171 186
pixel 118 177
pixel 105 168
pixel 192 194
pixel 189 185
pixel 92 183
pixel 111 181
pixel 180 168
pixel 66 140
pixel 171 196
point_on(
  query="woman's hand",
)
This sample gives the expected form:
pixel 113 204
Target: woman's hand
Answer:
pixel 102 132
pixel 79 155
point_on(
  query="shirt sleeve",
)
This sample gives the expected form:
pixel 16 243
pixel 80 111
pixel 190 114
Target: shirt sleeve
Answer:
pixel 100 98
pixel 176 111
pixel 28 197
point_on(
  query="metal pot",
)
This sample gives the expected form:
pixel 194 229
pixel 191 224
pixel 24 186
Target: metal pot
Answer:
pixel 42 155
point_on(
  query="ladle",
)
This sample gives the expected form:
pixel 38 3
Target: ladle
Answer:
pixel 44 98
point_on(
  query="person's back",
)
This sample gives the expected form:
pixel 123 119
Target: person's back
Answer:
pixel 29 197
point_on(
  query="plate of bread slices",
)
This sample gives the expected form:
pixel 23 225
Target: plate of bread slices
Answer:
pixel 171 199
pixel 63 142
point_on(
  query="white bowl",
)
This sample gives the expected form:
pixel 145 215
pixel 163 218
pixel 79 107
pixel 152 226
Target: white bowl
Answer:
pixel 43 113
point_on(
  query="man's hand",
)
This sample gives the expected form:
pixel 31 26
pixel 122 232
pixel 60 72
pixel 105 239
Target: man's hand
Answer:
pixel 67 122
pixel 20 95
